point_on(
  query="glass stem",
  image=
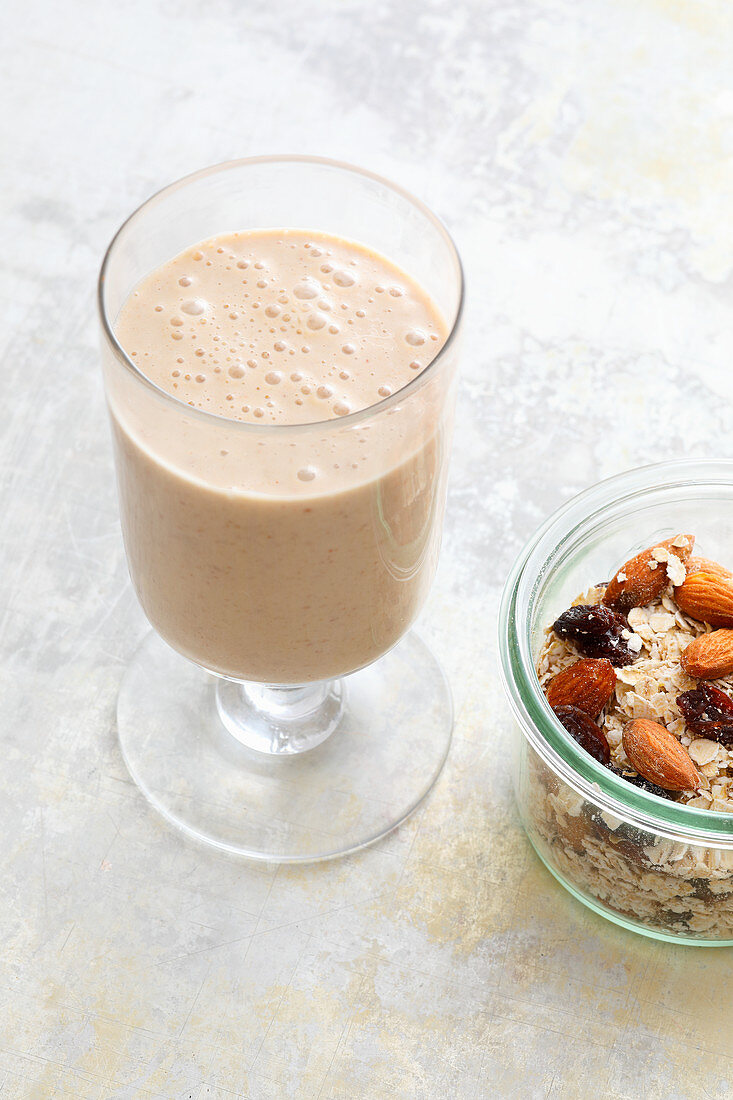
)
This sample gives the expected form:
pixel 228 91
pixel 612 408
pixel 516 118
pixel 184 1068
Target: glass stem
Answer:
pixel 278 719
pixel 290 701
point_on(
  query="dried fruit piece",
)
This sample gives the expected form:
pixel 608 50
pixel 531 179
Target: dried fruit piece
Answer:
pixel 705 565
pixel 710 656
pixel 708 712
pixel 645 576
pixel 597 631
pixel 588 685
pixel 574 833
pixel 583 729
pixel 641 782
pixel 657 755
pixel 707 597
pixel 703 892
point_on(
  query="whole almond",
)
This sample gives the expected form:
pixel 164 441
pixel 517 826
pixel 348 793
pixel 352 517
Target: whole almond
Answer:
pixel 707 597
pixel 587 685
pixel 710 656
pixel 657 755
pixel 706 565
pixel 644 577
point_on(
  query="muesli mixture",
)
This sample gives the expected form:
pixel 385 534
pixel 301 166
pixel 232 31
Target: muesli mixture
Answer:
pixel 640 673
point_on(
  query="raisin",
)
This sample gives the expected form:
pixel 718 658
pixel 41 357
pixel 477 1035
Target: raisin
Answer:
pixel 679 921
pixel 639 781
pixel 631 835
pixel 701 888
pixel 597 632
pixel 583 729
pixel 708 712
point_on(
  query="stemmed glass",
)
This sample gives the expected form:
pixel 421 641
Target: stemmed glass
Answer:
pixel 294 718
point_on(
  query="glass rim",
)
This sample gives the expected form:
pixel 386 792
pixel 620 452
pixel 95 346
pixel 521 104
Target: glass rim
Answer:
pixel 520 681
pixel 330 424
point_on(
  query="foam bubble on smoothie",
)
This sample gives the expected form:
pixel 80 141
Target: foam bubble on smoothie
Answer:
pixel 343 278
pixel 194 306
pixel 306 290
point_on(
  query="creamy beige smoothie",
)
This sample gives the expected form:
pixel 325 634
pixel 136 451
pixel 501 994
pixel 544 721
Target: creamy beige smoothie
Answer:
pixel 268 553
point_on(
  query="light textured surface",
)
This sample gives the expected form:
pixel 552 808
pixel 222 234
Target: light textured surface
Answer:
pixel 582 154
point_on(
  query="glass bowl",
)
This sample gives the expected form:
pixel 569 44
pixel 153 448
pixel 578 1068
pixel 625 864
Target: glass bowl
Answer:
pixel 652 865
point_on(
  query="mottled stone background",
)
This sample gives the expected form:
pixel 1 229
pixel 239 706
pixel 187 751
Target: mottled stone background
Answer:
pixel 582 154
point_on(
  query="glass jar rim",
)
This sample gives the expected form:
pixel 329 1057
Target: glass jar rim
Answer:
pixel 521 684
pixel 336 423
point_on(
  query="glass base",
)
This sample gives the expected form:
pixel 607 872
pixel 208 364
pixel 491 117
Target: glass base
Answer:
pixel 187 740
